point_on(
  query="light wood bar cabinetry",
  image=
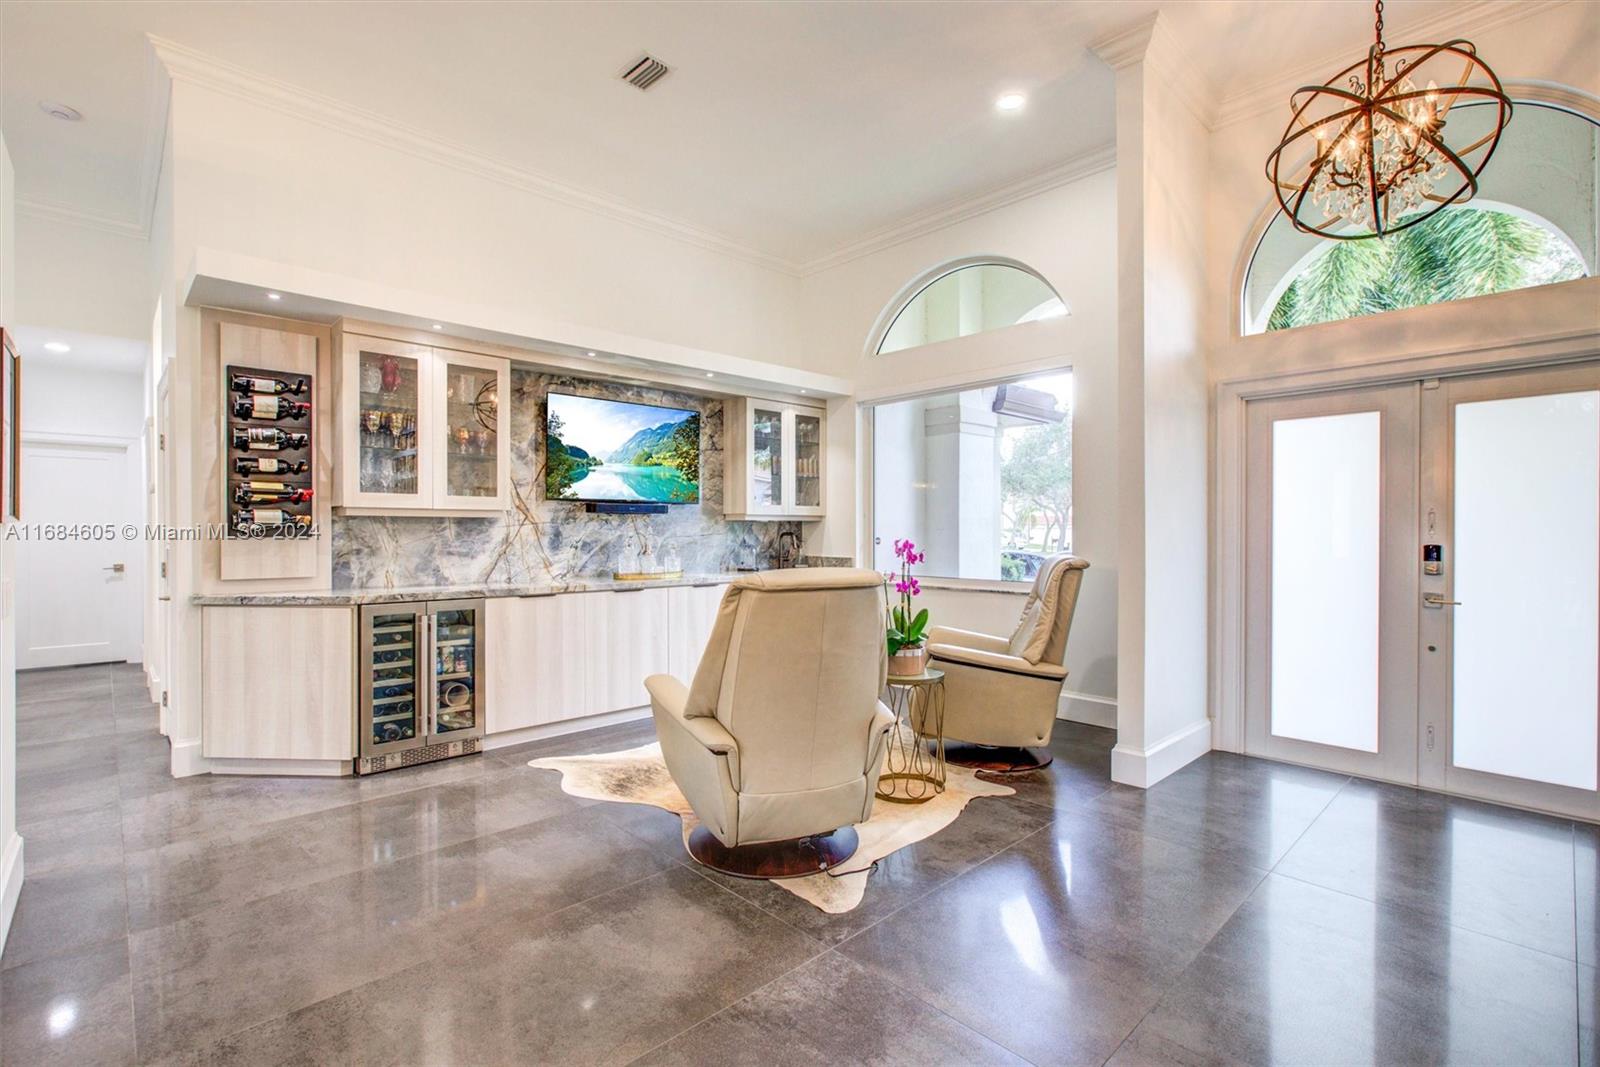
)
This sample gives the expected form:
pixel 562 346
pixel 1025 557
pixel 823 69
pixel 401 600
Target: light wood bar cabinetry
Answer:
pixel 278 683
pixel 574 655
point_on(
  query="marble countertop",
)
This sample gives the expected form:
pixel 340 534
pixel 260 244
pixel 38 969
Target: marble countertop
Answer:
pixel 336 597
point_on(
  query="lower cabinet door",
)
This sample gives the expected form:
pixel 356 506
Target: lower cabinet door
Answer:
pixel 627 640
pixel 276 682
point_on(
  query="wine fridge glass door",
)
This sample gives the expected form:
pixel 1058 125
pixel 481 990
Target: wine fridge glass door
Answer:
pixel 393 692
pixel 457 669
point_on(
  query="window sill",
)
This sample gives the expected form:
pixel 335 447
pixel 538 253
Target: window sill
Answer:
pixel 977 585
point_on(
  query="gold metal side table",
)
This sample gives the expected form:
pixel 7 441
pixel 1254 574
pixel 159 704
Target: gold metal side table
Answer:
pixel 914 767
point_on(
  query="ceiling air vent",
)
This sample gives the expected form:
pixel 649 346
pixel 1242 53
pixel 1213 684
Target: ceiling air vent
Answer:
pixel 646 72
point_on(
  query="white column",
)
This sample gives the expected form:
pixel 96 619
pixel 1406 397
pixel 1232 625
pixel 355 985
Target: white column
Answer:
pixel 1162 408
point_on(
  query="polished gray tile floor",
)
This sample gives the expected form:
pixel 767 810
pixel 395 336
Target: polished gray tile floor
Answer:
pixel 470 912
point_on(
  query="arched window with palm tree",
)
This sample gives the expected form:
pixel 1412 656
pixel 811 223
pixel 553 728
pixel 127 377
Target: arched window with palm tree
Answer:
pixel 1532 223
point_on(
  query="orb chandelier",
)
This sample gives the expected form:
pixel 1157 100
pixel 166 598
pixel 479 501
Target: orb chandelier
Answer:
pixel 1371 152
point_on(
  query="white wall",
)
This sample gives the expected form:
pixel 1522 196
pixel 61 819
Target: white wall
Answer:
pixel 258 181
pixel 10 842
pixel 82 280
pixel 1067 234
pixel 67 398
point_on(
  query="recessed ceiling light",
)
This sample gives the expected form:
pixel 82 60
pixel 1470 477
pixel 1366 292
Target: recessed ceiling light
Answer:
pixel 710 375
pixel 438 326
pixel 57 346
pixel 802 390
pixel 591 355
pixel 64 112
pixel 274 296
pixel 1010 102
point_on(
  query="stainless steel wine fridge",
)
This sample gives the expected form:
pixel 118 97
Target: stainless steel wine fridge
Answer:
pixel 420 671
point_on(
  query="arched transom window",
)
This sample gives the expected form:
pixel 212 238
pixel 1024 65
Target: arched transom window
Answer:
pixel 1532 223
pixel 969 299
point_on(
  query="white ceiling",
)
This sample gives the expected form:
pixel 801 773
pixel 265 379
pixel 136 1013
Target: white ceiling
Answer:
pixel 789 129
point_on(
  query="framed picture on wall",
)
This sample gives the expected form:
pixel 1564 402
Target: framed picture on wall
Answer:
pixel 10 427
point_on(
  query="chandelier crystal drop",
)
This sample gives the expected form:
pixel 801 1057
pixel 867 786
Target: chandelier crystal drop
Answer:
pixel 1375 151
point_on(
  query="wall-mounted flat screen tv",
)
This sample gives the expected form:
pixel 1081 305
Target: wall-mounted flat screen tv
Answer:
pixel 602 451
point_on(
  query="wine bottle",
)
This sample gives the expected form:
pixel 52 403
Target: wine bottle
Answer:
pixel 248 465
pixel 269 407
pixel 270 493
pixel 267 438
pixel 245 385
pixel 260 518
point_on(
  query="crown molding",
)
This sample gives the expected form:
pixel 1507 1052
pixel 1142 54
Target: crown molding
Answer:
pixel 1148 41
pixel 1461 19
pixel 960 209
pixel 184 64
pixel 55 211
pixel 1125 47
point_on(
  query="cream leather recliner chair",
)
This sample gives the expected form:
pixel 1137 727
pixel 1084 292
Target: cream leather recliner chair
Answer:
pixel 1001 693
pixel 778 742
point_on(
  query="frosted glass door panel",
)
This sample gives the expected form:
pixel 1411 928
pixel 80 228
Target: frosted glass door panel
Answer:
pixel 1326 502
pixel 1526 633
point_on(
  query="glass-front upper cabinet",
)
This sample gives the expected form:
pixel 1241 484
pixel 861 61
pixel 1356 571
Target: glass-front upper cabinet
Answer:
pixel 774 460
pixel 384 388
pixel 421 428
pixel 472 446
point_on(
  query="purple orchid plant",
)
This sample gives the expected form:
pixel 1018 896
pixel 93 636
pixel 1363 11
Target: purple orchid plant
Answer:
pixel 904 629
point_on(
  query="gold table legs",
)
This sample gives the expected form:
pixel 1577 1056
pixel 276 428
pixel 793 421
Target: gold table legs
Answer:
pixel 914 767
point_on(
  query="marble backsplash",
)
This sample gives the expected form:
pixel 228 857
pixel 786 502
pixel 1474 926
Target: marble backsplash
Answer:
pixel 539 541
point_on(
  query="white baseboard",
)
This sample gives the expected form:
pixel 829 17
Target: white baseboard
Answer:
pixel 10 884
pixel 1145 767
pixel 559 729
pixel 187 759
pixel 1088 708
pixel 305 768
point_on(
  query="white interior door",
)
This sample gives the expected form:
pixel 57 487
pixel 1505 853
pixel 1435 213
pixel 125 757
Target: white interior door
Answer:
pixel 1330 583
pixel 76 590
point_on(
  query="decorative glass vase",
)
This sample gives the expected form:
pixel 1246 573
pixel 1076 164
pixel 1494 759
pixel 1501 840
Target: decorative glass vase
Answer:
pixel 909 661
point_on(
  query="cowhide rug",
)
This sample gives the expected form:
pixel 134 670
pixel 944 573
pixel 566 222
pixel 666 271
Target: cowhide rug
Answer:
pixel 639 776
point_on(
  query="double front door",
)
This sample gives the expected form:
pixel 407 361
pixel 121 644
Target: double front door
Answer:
pixel 1423 584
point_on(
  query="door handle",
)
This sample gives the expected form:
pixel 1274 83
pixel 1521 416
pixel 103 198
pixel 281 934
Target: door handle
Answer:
pixel 1437 600
pixel 116 568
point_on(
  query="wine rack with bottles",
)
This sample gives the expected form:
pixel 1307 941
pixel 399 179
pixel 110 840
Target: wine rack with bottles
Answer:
pixel 270 462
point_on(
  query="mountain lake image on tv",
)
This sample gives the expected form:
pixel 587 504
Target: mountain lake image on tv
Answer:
pixel 611 450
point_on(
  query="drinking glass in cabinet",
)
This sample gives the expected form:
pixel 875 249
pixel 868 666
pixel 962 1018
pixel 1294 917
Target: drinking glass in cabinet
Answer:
pixel 471 449
pixel 392 676
pixel 807 460
pixel 455 670
pixel 767 457
pixel 388 423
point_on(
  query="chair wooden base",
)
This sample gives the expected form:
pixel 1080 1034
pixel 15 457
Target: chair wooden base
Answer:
pixel 997 759
pixel 794 858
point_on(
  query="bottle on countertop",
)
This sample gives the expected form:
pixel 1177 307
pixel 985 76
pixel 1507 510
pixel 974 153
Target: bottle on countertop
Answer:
pixel 248 465
pixel 245 385
pixel 269 407
pixel 268 439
